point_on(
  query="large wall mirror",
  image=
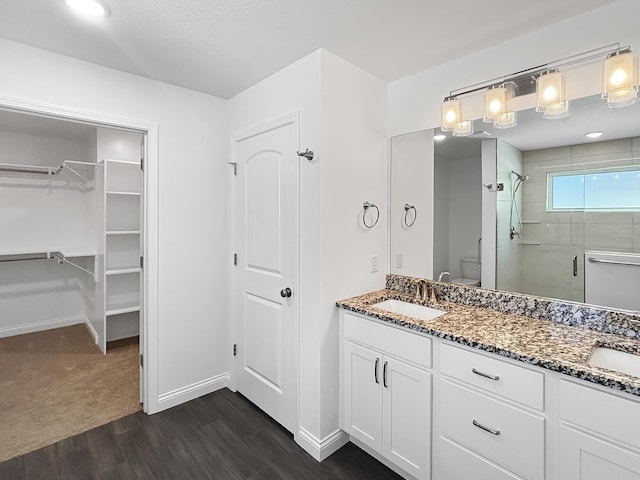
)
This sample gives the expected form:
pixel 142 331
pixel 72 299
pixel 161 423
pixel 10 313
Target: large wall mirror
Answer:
pixel 540 209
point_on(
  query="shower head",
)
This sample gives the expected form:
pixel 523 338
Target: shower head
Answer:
pixel 522 178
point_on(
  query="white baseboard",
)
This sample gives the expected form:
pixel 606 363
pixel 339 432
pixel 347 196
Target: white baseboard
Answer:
pixel 190 392
pixel 91 329
pixel 40 326
pixel 321 448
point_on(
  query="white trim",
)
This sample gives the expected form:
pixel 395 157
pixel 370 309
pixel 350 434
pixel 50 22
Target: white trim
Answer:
pixel 40 326
pixel 150 298
pixel 321 449
pixel 92 330
pixel 193 391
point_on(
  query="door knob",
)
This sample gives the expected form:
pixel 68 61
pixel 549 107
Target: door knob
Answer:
pixel 285 292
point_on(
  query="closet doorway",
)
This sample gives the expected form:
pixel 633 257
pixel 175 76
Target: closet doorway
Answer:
pixel 72 286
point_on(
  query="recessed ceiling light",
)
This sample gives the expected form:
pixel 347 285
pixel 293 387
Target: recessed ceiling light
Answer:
pixel 93 8
pixel 439 137
pixel 593 134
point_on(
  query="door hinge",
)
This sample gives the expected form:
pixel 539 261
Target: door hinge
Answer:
pixel 141 361
pixel 235 259
pixel 235 349
pixel 235 168
pixel 141 262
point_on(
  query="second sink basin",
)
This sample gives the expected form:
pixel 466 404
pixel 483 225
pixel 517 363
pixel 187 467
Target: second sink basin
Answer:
pixel 409 309
pixel 615 360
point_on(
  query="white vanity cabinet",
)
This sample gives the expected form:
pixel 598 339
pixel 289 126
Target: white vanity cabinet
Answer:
pixel 385 392
pixel 598 434
pixel 489 420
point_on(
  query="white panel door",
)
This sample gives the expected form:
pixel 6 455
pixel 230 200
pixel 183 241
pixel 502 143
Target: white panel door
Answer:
pixel 407 417
pixel 363 394
pixel 267 242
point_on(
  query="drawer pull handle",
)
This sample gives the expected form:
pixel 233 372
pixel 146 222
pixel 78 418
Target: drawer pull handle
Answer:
pixel 486 429
pixel 375 370
pixel 384 375
pixel 485 375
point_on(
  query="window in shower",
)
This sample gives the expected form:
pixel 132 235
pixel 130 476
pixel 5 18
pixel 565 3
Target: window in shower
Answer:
pixel 595 190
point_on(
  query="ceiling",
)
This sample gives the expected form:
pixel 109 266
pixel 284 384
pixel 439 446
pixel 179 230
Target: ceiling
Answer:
pixel 221 47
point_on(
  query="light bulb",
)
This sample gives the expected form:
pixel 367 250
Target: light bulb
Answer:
pixel 550 94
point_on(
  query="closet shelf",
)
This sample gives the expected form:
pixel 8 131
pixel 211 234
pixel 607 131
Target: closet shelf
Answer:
pixel 123 271
pixel 123 232
pixel 123 162
pixel 121 308
pixel 129 194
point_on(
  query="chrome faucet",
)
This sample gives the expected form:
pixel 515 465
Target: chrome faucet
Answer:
pixel 442 274
pixel 422 288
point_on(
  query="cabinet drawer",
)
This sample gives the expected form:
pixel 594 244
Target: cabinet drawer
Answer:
pixel 388 339
pixel 519 445
pixel 604 413
pixel 510 381
pixel 455 463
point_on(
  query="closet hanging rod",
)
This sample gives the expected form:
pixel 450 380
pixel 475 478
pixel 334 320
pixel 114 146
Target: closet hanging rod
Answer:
pixel 39 170
pixel 27 256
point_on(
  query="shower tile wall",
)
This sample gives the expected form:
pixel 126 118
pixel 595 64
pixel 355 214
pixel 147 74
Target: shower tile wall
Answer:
pixel 547 268
pixel 509 252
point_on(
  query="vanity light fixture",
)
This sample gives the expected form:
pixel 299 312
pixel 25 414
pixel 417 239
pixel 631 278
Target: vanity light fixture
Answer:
pixel 92 8
pixel 551 96
pixel 620 88
pixel 463 129
pixel 495 103
pixel 506 120
pixel 451 115
pixel 620 79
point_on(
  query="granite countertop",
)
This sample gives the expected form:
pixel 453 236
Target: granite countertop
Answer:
pixel 544 343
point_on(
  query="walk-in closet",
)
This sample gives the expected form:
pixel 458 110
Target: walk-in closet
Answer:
pixel 71 259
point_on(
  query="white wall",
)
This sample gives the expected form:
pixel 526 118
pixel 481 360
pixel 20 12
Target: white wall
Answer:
pixel 415 101
pixel 297 89
pixel 465 212
pixel 353 169
pixel 342 119
pixel 441 215
pixel 192 321
pixel 412 178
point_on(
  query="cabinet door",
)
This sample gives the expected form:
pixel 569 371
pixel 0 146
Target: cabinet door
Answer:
pixel 363 394
pixel 584 457
pixel 407 417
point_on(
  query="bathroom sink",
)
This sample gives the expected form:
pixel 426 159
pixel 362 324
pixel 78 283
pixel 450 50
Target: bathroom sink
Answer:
pixel 409 309
pixel 615 360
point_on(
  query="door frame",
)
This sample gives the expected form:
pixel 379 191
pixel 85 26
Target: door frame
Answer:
pixel 243 134
pixel 150 297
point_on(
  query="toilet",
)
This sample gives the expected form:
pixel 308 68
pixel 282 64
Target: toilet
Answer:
pixel 470 273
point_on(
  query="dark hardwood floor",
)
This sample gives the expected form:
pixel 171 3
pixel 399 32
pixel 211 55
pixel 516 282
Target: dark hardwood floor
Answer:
pixel 219 436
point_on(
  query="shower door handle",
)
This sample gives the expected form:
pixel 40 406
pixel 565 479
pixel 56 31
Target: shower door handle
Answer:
pixel 575 265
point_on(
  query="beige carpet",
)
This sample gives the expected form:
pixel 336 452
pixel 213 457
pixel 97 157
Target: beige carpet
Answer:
pixel 56 383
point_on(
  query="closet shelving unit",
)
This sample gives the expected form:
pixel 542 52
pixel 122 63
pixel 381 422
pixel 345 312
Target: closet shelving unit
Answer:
pixel 119 188
pixel 75 171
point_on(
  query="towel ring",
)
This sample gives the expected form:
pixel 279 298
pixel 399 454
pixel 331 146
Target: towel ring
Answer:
pixel 367 206
pixel 405 219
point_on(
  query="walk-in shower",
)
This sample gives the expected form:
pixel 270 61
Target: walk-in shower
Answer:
pixel 513 232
